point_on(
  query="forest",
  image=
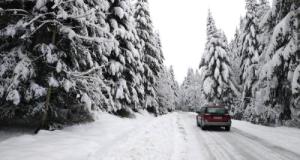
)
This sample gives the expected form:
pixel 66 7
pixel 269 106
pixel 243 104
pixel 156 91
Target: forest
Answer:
pixel 63 61
pixel 257 73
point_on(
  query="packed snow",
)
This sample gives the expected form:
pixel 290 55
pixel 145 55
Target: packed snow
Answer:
pixel 170 137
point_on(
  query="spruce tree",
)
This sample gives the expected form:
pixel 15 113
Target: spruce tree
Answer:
pixel 218 83
pixel 150 48
pixel 249 53
pixel 124 72
pixel 185 91
pixel 174 85
pixel 191 92
pixel 51 61
pixel 165 92
pixel 296 89
pixel 276 76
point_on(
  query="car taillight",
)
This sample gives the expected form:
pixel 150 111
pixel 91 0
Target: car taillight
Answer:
pixel 206 116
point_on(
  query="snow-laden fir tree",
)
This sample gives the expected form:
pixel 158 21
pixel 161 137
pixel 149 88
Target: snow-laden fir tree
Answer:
pixel 218 81
pixel 264 30
pixel 62 60
pixel 191 92
pixel 234 50
pixel 275 97
pixel 125 69
pixel 185 91
pixel 52 54
pixel 166 92
pixel 296 91
pixel 249 55
pixel 150 48
pixel 263 7
pixel 235 61
pixel 174 85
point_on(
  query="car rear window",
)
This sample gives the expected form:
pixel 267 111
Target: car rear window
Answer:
pixel 216 110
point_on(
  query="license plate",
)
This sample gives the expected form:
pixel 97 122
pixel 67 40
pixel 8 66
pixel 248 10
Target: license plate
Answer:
pixel 217 118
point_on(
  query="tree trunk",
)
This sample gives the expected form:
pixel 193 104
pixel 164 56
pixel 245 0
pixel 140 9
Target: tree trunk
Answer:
pixel 45 124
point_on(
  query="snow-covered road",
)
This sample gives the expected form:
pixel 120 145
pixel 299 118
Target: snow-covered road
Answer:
pixel 170 137
pixel 242 144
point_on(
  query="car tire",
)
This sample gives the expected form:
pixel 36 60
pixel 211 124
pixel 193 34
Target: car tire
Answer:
pixel 227 128
pixel 203 127
pixel 197 122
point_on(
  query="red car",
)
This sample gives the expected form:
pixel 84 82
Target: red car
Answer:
pixel 213 116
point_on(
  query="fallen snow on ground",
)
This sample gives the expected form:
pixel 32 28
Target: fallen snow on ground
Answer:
pixel 109 138
pixel 285 137
pixel 170 137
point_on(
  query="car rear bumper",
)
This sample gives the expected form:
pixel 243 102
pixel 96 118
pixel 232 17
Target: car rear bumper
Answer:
pixel 221 124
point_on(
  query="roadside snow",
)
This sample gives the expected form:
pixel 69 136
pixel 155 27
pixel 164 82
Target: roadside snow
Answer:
pixel 170 137
pixel 285 137
pixel 109 138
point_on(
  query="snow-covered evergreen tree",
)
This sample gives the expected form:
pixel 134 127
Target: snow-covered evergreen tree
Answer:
pixel 262 8
pixel 235 60
pixel 150 48
pixel 175 86
pixel 274 97
pixel 296 91
pixel 166 92
pixel 52 53
pixel 249 53
pixel 191 92
pixel 60 61
pixel 185 100
pixel 125 69
pixel 218 82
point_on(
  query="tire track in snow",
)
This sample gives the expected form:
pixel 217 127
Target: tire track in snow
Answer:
pixel 197 147
pixel 180 147
pixel 280 151
pixel 236 145
pixel 231 150
pixel 257 149
pixel 232 144
pixel 215 147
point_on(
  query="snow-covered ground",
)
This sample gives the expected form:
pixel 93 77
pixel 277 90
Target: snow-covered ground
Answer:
pixel 170 137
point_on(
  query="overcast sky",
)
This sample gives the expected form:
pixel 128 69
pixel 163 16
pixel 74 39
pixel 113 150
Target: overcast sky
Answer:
pixel 182 26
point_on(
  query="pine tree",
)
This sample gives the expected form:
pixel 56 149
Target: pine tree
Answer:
pixel 281 58
pixel 175 86
pixel 249 54
pixel 234 50
pixel 150 48
pixel 185 91
pixel 191 92
pixel 124 72
pixel 165 92
pixel 218 84
pixel 264 30
pixel 60 61
pixel 296 89
pixel 52 49
pixel 262 8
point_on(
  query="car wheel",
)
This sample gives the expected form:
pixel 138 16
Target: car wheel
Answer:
pixel 203 127
pixel 227 128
